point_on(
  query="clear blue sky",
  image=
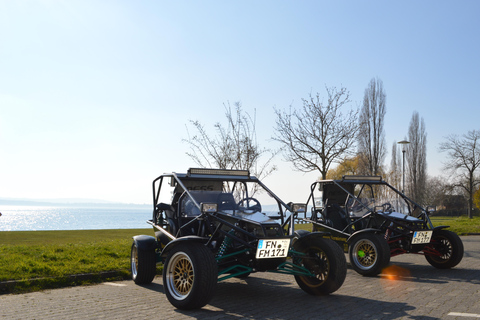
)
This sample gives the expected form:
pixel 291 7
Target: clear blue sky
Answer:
pixel 95 96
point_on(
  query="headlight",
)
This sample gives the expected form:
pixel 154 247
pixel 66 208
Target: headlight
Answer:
pixel 208 207
pixel 299 207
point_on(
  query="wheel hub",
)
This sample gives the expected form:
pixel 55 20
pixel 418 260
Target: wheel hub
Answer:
pixel 183 276
pixel 366 254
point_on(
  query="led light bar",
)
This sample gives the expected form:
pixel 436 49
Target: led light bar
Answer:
pixel 362 178
pixel 221 172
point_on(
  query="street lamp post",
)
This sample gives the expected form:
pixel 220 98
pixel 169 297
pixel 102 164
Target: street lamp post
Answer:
pixel 403 143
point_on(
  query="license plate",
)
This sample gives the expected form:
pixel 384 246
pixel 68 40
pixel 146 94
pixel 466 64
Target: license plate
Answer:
pixel 421 237
pixel 272 248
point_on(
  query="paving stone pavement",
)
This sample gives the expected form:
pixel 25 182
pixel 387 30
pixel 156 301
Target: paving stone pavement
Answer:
pixel 409 289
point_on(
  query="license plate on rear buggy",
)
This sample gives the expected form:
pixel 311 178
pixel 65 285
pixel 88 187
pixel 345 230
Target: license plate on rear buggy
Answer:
pixel 421 237
pixel 272 248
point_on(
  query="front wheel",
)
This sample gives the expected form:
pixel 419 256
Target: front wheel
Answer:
pixel 445 249
pixel 189 275
pixel 369 253
pixel 143 265
pixel 323 258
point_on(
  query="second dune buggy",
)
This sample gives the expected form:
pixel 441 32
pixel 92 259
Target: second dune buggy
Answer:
pixel 373 221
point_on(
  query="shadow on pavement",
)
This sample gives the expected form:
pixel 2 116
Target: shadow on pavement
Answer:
pixel 154 286
pixel 257 298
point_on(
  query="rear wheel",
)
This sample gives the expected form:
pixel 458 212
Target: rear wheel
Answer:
pixel 143 265
pixel 189 275
pixel 325 259
pixel 369 253
pixel 445 249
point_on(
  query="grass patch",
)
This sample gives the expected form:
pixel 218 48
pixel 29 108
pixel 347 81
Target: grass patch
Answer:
pixel 50 259
pixel 460 225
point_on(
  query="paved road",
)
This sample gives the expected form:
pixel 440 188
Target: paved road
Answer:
pixel 411 289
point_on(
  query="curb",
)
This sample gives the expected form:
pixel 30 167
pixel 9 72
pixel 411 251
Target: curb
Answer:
pixel 21 286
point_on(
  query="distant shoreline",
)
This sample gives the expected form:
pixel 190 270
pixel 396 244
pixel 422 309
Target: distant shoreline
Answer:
pixel 75 203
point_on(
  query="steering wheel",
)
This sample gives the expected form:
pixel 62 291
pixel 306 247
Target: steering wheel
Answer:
pixel 255 207
pixel 387 207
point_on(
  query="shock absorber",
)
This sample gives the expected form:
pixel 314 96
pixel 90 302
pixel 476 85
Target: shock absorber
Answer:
pixel 388 232
pixel 227 241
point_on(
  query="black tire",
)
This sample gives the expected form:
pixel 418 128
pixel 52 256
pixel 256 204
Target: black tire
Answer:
pixel 143 265
pixel 447 248
pixel 369 254
pixel 326 260
pixel 189 275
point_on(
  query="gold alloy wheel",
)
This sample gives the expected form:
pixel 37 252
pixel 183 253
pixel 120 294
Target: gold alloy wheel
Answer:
pixel 180 275
pixel 365 254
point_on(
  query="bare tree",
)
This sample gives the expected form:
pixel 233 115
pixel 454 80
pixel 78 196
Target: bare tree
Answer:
pixel 234 146
pixel 371 136
pixel 464 158
pixel 417 158
pixel 318 134
pixel 436 191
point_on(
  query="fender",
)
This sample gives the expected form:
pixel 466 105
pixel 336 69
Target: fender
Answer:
pixel 311 235
pixel 370 230
pixel 175 242
pixel 145 243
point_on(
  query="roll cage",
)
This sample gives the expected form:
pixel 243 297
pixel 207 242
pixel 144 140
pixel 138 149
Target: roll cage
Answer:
pixel 205 186
pixel 361 194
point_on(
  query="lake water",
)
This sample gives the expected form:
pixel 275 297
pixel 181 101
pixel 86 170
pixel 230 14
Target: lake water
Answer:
pixel 27 218
pixel 30 218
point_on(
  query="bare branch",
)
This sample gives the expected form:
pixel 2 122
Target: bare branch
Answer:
pixel 234 146
pixel 318 134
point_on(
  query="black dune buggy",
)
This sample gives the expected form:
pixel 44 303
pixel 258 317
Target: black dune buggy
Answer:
pixel 373 221
pixel 209 228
